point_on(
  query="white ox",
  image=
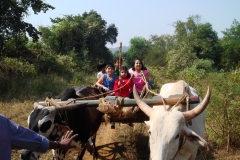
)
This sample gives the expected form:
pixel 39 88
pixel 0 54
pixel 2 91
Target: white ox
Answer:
pixel 168 127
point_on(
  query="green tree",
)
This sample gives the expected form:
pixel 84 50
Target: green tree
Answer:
pixel 82 37
pixel 200 37
pixel 97 35
pixel 12 13
pixel 180 59
pixel 159 46
pixel 230 43
pixel 64 35
pixel 139 47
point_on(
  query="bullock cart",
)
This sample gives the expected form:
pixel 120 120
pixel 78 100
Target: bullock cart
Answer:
pixel 53 117
pixel 137 116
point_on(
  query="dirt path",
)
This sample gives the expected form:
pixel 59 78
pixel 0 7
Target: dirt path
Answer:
pixel 106 143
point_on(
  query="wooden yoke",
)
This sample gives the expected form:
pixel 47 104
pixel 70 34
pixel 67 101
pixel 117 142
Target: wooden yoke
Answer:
pixel 156 100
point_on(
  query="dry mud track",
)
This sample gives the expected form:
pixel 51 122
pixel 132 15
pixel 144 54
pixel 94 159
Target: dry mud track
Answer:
pixel 107 143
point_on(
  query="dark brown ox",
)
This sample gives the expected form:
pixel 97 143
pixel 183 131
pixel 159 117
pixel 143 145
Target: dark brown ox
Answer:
pixel 52 122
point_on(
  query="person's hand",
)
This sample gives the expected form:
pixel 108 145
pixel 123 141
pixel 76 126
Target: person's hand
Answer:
pixel 65 143
pixel 105 88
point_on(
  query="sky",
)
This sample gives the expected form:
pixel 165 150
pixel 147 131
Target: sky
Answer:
pixel 143 18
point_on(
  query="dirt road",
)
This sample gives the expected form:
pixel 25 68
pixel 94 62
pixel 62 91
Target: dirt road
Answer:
pixel 105 143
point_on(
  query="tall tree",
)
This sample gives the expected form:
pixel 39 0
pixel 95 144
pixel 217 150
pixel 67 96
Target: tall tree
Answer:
pixel 83 36
pixel 97 34
pixel 159 46
pixel 64 35
pixel 139 47
pixel 12 13
pixel 200 37
pixel 230 43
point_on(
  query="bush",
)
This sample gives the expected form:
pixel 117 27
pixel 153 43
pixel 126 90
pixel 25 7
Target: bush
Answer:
pixel 17 66
pixel 223 112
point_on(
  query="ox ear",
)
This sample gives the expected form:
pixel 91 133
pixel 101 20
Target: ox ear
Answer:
pixel 37 105
pixel 194 138
pixel 147 123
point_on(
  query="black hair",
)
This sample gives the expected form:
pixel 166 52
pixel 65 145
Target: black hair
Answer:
pixel 117 59
pixel 101 64
pixel 126 69
pixel 143 67
pixel 110 65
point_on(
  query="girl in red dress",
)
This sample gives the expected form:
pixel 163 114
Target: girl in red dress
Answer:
pixel 124 82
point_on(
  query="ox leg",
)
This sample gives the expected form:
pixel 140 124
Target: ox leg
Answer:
pixel 80 156
pixel 91 146
pixel 94 152
pixel 112 123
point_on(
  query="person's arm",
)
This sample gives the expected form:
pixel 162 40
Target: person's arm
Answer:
pixel 24 138
pixel 99 84
pixel 65 143
pixel 132 80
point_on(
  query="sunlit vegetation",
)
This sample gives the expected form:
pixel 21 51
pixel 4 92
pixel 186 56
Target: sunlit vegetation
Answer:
pixel 67 52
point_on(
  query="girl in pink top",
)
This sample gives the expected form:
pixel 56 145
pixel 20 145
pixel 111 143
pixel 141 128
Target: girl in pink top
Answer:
pixel 137 71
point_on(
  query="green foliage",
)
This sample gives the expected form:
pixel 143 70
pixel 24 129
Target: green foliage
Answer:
pixel 180 59
pixel 201 38
pixel 138 49
pixel 159 46
pixel 34 88
pixel 196 72
pixel 57 64
pixel 17 66
pixel 223 112
pixel 35 46
pixel 38 87
pixel 16 43
pixel 12 14
pixel 157 75
pixel 230 43
pixel 85 36
pixel 66 34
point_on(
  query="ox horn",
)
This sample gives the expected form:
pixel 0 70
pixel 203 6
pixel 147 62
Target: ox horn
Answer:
pixel 69 107
pixel 142 105
pixel 199 109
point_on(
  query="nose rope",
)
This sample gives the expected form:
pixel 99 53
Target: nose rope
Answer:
pixel 180 100
pixel 180 146
pixel 154 93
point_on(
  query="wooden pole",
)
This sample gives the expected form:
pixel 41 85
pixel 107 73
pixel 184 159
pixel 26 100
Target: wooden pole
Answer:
pixel 120 57
pixel 119 64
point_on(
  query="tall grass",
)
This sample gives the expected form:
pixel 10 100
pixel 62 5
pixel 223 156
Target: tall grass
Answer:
pixel 32 88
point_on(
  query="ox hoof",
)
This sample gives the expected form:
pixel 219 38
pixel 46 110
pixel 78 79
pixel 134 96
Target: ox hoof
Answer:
pixel 112 125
